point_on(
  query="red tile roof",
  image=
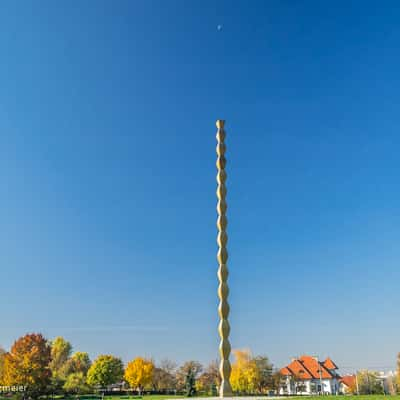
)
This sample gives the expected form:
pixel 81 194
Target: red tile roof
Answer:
pixel 349 380
pixel 307 367
pixel 297 368
pixel 316 368
pixel 328 363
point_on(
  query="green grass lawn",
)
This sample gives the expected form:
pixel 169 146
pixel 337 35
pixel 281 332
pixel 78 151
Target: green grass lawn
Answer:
pixel 145 397
pixel 361 397
pixel 95 397
pixel 164 397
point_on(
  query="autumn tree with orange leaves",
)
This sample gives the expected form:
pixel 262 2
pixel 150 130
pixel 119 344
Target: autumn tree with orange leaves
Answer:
pixel 2 360
pixel 27 364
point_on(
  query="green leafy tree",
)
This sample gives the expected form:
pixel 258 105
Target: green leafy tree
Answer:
pixel 60 352
pixel 369 382
pixel 263 379
pixel 74 373
pixel 105 370
pixel 76 384
pixel 79 362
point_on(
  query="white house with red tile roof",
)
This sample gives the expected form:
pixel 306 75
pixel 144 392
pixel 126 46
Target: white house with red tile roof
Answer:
pixel 307 375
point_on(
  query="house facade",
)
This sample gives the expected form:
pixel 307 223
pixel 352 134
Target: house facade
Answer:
pixel 307 375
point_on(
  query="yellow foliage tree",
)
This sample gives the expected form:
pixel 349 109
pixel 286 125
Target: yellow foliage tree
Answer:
pixel 244 376
pixel 139 373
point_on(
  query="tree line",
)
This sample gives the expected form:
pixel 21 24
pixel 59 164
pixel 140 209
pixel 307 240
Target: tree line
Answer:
pixel 46 367
pixel 369 382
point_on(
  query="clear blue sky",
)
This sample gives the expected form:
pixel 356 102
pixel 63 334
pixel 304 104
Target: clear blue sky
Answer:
pixel 107 202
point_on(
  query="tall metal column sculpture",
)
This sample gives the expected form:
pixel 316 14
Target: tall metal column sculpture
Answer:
pixel 222 257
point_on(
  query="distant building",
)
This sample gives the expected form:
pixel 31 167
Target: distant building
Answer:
pixel 388 380
pixel 307 375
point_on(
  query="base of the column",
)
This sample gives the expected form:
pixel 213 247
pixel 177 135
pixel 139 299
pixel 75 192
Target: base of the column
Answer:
pixel 225 389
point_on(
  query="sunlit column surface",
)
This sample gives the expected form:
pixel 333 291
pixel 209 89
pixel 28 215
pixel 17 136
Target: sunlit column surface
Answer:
pixel 222 257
